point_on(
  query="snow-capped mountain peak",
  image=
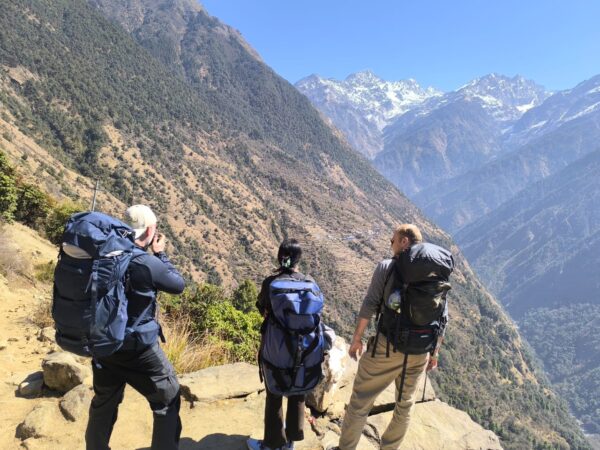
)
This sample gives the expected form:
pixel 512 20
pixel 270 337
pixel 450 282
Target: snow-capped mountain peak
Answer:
pixel 504 97
pixel 364 91
pixel 363 104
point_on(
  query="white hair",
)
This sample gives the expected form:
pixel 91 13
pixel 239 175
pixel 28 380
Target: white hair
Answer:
pixel 140 217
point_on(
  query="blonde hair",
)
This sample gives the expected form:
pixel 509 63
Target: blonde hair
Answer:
pixel 411 232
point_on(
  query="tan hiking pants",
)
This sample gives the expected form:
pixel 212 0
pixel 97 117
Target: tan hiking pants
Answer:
pixel 373 376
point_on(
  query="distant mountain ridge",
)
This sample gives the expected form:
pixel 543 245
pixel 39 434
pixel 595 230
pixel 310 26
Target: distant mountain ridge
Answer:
pixel 363 104
pixel 419 137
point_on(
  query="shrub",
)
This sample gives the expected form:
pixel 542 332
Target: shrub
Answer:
pixel 244 296
pixel 8 189
pixel 240 331
pixel 214 319
pixel 33 205
pixel 8 197
pixel 55 223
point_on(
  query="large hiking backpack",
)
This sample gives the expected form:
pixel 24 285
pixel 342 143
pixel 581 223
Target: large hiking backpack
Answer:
pixel 293 343
pixel 89 304
pixel 415 313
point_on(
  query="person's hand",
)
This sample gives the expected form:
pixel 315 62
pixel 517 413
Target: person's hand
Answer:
pixel 159 243
pixel 356 349
pixel 432 363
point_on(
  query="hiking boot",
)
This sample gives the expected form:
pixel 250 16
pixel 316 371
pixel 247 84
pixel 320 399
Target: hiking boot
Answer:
pixel 257 444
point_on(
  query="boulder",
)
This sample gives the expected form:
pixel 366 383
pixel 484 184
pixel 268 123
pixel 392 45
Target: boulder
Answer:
pixel 339 371
pixel 39 422
pixel 221 382
pixel 76 402
pixel 32 385
pixel 62 372
pixel 436 425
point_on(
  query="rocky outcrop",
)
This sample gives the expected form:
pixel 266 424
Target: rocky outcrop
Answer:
pixel 437 425
pixel 225 407
pixel 338 374
pixel 218 383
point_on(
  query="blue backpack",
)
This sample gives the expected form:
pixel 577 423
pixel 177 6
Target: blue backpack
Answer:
pixel 89 304
pixel 293 343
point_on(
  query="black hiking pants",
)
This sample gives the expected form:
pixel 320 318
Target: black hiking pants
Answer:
pixel 151 374
pixel 276 435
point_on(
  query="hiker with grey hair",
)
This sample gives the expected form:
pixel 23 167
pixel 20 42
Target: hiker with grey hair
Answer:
pixel 140 362
pixel 408 295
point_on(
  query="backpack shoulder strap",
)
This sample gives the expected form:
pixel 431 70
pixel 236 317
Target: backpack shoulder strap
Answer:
pixel 386 280
pixel 389 273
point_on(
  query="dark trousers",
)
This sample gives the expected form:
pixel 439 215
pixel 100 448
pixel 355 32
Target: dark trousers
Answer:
pixel 151 374
pixel 276 435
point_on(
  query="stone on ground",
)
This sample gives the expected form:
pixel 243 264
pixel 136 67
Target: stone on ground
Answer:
pixel 221 382
pixel 62 372
pixel 76 402
pixel 39 422
pixel 32 385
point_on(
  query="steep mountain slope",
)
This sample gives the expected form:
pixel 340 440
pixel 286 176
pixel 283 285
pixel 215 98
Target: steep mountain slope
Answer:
pixel 540 252
pixel 569 344
pixel 233 158
pixel 541 247
pixel 449 135
pixel 447 142
pixel 363 104
pixel 561 108
pixel 459 201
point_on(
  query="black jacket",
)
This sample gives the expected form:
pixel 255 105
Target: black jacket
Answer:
pixel 148 274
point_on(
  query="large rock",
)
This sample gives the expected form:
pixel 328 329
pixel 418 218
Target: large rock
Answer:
pixel 62 372
pixel 39 422
pixel 76 402
pixel 32 385
pixel 221 382
pixel 339 371
pixel 436 425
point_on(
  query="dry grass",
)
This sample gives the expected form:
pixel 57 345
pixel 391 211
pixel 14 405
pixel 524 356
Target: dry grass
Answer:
pixel 188 353
pixel 42 313
pixel 12 262
pixel 45 272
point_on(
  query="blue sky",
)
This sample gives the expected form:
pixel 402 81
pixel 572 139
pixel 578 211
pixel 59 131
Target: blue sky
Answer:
pixel 439 43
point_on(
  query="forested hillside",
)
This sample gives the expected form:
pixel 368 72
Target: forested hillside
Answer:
pixel 233 160
pixel 569 344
